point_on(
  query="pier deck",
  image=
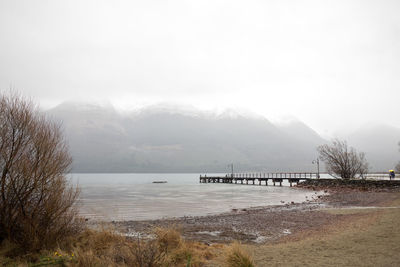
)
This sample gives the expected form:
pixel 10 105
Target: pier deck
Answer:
pixel 261 178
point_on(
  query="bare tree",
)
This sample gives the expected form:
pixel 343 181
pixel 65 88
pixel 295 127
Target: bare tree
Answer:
pixel 36 202
pixel 343 161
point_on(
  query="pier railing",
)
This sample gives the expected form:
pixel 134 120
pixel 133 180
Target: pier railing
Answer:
pixel 291 177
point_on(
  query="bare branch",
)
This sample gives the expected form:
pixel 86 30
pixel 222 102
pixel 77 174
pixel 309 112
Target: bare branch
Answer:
pixel 342 161
pixel 36 202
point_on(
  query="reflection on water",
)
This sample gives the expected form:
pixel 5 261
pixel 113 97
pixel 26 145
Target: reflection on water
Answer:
pixel 135 197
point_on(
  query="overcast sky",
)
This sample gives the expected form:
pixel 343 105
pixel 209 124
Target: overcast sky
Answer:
pixel 332 64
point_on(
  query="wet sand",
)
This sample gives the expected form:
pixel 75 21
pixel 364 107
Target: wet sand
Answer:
pixel 265 224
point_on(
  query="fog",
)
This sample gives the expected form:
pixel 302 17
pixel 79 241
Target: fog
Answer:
pixel 333 64
pixel 172 139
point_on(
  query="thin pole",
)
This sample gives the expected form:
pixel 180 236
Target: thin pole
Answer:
pixel 317 161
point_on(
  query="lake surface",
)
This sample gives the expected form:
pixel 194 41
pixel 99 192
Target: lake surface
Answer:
pixel 134 196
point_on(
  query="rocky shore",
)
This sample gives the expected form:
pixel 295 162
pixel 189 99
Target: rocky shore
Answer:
pixel 268 224
pixel 351 184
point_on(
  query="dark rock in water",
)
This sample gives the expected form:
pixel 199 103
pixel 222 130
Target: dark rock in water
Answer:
pixel 159 182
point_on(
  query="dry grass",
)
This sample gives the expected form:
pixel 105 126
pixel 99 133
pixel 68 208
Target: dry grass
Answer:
pixel 105 247
pixel 364 239
pixel 237 256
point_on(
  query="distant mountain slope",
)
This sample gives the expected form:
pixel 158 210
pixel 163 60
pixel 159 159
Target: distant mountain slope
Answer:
pixel 380 143
pixel 158 140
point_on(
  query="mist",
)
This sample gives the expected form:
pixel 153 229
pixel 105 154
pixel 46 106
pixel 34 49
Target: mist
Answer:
pixel 333 65
pixel 165 138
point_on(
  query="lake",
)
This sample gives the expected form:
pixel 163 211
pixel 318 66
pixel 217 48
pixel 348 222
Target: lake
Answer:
pixel 134 196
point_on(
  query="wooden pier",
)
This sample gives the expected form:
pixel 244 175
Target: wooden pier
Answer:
pixel 261 178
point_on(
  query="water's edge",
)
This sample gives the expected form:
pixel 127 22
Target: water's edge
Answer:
pixel 121 197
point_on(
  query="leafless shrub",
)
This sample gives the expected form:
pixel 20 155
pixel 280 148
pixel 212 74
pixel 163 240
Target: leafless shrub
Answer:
pixel 36 201
pixel 343 161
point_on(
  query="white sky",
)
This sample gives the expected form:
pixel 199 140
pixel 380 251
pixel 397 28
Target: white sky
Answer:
pixel 333 64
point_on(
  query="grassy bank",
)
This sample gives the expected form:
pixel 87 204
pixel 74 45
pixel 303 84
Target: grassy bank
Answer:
pixel 366 238
pixel 108 248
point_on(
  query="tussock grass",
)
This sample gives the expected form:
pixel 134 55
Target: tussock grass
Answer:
pixel 237 256
pixel 168 238
pixel 106 247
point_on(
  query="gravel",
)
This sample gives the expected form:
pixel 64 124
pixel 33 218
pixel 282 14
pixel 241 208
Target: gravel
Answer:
pixel 266 224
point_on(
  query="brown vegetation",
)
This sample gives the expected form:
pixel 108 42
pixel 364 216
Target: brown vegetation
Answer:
pixel 36 201
pixel 106 247
pixel 237 257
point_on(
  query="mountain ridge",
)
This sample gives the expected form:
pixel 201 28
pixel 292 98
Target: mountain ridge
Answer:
pixel 152 140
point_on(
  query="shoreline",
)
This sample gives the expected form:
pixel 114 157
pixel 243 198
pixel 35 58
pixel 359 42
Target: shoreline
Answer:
pixel 180 200
pixel 222 227
pixel 268 224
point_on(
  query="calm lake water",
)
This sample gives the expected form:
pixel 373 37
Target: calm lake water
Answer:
pixel 135 196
